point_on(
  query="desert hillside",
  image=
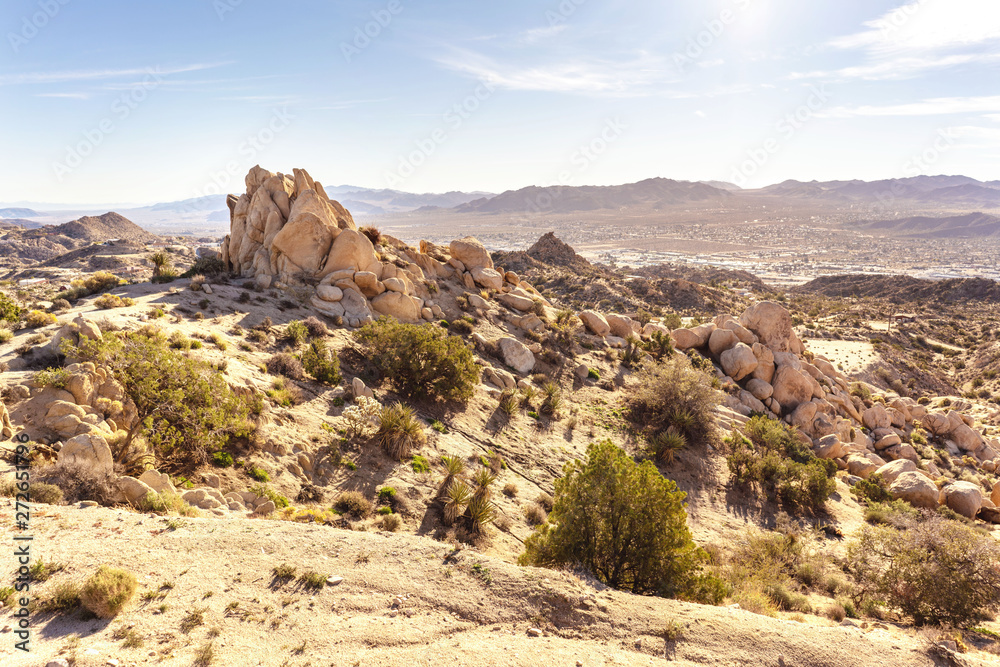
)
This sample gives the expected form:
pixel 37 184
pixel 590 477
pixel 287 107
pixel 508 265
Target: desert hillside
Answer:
pixel 323 444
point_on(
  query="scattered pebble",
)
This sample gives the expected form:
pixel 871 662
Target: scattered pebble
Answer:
pixel 534 632
pixel 334 581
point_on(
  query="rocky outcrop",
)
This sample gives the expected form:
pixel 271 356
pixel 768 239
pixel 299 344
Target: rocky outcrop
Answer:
pixel 915 489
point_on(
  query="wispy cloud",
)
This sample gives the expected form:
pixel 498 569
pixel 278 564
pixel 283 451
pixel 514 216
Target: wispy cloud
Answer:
pixel 918 37
pixel 929 107
pixel 67 76
pixel 535 35
pixel 632 76
pixel 72 96
pixel 898 68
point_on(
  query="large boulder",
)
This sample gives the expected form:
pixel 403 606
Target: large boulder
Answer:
pixel 516 355
pixel 685 339
pixel 760 389
pixel 621 326
pixel 791 388
pixel 157 481
pixel 6 428
pixel 89 449
pixel 876 417
pixel 133 489
pixel 516 301
pixel 595 323
pixel 351 250
pixel 765 363
pixel 487 277
pixel 721 340
pixel 402 307
pixel 471 253
pixel 891 471
pixel 916 489
pixel 967 439
pixel 965 498
pixel 829 447
pixel 738 361
pixel 772 324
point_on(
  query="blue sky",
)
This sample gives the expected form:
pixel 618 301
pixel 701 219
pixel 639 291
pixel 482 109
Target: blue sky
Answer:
pixel 125 101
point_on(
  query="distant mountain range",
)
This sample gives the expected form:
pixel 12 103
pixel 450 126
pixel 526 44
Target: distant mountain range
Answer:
pixel 970 224
pixel 932 190
pixel 652 192
pixel 9 213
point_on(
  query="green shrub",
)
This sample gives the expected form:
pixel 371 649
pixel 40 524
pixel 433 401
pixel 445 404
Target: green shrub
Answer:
pixel 109 301
pixel 9 310
pixel 673 396
pixel 622 521
pixel 773 457
pixel 53 377
pixel 421 360
pixel 399 431
pixel 222 460
pixel 935 570
pixel 264 491
pixel 296 332
pixel 872 489
pixel 205 266
pixel 37 318
pixel 258 474
pixel 185 407
pixel 107 591
pixel 420 464
pixel 593 374
pixel 321 363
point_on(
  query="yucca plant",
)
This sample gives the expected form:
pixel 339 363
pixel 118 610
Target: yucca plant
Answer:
pixel 632 355
pixel 509 402
pixel 482 479
pixel 453 467
pixel 480 513
pixel 668 442
pixel 553 398
pixel 659 345
pixel 457 498
pixel 399 431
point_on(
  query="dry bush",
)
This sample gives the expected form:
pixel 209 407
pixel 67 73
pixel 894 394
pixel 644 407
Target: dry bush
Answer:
pixel 79 481
pixel 107 591
pixel 352 502
pixel 38 318
pixel 535 514
pixel 287 365
pixel 674 397
pixel 315 327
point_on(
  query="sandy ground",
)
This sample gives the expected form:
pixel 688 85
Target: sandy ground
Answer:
pixel 847 355
pixel 404 600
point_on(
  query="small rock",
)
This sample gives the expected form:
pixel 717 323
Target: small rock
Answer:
pixel 57 663
pixel 88 503
pixel 334 581
pixel 534 632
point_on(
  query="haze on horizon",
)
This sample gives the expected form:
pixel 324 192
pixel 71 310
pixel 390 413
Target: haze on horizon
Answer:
pixel 158 102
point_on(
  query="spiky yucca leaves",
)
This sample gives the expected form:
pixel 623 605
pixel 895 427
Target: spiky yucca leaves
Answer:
pixel 659 345
pixel 399 431
pixel 453 467
pixel 632 355
pixel 553 398
pixel 480 513
pixel 509 402
pixel 482 479
pixel 668 442
pixel 457 498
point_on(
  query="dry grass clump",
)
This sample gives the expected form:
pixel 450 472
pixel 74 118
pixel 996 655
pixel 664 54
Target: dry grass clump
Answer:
pixel 400 431
pixel 38 318
pixel 352 502
pixel 315 327
pixel 535 514
pixel 109 301
pixel 107 591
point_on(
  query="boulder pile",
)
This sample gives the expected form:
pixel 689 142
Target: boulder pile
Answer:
pixel 285 230
pixel 765 369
